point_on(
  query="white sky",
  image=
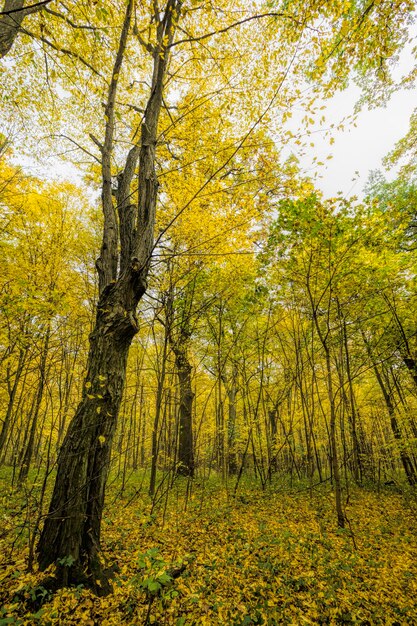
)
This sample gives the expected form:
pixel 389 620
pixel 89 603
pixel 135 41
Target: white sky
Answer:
pixel 359 149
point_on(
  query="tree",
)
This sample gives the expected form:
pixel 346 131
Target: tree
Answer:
pixel 44 233
pixel 71 533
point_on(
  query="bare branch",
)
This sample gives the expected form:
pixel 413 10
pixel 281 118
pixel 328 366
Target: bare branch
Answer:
pixel 147 46
pixel 230 26
pixel 93 156
pixel 96 141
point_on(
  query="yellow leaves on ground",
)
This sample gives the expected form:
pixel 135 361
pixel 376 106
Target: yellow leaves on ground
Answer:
pixel 271 559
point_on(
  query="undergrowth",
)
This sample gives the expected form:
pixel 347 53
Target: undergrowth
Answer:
pixel 207 557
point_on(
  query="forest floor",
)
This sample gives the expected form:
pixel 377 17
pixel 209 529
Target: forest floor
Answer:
pixel 273 557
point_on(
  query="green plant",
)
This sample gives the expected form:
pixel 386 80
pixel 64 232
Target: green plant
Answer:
pixel 153 574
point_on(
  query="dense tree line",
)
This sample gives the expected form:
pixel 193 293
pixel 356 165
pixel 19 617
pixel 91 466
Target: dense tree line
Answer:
pixel 275 335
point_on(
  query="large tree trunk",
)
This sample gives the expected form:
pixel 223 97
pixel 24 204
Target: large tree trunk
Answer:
pixel 71 534
pixel 10 24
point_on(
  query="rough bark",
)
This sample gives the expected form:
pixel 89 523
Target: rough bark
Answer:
pixel 71 534
pixel 14 12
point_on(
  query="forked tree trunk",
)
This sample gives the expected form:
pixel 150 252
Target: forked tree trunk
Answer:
pixel 71 534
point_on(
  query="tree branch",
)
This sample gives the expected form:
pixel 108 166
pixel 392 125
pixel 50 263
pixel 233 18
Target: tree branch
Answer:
pixel 109 256
pixel 227 28
pixel 68 21
pixel 93 156
pixel 32 8
pixel 66 51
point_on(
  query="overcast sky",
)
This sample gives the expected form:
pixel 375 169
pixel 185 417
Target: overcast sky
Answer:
pixel 361 149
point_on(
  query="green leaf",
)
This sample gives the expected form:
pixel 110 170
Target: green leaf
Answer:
pixel 164 578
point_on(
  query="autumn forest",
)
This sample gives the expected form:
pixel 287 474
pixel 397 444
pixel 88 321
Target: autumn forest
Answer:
pixel 208 366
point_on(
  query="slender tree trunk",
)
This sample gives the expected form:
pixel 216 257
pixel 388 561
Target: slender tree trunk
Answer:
pixel 334 460
pixel 396 431
pixel 185 460
pixel 158 405
pixel 142 428
pixel 12 396
pixel 231 426
pixel 65 393
pixel 386 392
pixel 403 344
pixel 17 410
pixel 357 452
pixel 221 459
pixel 333 445
pixel 28 453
